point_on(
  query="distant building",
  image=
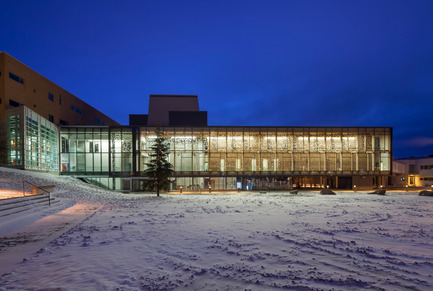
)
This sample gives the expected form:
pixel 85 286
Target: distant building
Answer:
pixel 35 137
pixel 413 172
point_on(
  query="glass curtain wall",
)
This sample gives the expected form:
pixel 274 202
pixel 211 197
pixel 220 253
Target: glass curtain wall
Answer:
pixel 85 150
pixel 275 150
pixel 41 143
pixel 14 141
pixel 96 150
pixel 205 155
pixel 221 157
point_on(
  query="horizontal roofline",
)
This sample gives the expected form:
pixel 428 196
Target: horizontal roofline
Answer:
pixel 239 126
pixel 162 95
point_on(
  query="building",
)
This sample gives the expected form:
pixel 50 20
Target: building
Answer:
pixel 413 172
pixel 203 157
pixel 31 109
pixel 228 157
pixel 20 85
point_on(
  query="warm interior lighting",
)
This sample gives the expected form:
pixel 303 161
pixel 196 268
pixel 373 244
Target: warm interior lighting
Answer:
pixel 6 194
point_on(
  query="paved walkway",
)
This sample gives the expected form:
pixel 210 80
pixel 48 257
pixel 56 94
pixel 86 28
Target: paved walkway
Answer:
pixel 27 241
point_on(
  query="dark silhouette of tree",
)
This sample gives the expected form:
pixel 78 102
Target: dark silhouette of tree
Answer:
pixel 159 170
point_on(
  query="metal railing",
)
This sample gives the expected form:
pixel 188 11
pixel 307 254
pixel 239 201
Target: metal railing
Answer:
pixel 49 194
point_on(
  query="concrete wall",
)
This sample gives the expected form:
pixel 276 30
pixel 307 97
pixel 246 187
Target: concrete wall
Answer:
pixel 161 105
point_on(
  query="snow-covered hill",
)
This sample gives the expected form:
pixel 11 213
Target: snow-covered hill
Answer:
pixel 245 241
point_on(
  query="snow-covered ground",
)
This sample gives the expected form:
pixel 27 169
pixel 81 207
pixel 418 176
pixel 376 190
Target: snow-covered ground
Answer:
pixel 238 241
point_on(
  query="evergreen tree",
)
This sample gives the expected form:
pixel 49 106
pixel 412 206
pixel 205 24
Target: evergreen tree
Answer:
pixel 159 170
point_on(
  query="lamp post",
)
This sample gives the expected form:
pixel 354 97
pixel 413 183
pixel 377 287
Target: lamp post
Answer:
pixel 210 189
pixel 180 189
pixel 354 188
pixel 407 188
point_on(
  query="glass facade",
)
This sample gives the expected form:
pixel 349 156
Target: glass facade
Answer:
pixel 41 143
pixel 227 157
pixel 32 142
pixel 96 150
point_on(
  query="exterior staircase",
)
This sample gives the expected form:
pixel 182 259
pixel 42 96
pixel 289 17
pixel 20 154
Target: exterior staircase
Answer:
pixel 20 204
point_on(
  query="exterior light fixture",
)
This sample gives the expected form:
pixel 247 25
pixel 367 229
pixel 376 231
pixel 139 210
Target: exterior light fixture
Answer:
pixel 354 188
pixel 181 189
pixel 210 189
pixel 407 187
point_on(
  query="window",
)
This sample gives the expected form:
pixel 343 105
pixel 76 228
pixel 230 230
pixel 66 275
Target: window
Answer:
pixel 16 78
pixel 60 99
pixel 50 96
pixel 76 109
pixel 411 169
pixel 51 118
pixel 99 121
pixel 13 103
pixel 65 145
pixel 62 122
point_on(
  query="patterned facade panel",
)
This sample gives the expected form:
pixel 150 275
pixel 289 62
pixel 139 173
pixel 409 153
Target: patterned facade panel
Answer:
pixel 251 150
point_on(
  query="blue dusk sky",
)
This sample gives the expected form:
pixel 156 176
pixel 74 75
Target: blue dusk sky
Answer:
pixel 270 62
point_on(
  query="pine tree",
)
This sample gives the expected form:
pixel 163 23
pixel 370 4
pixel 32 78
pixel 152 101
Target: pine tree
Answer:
pixel 159 170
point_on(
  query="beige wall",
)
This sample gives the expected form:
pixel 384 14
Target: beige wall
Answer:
pixel 34 91
pixel 2 78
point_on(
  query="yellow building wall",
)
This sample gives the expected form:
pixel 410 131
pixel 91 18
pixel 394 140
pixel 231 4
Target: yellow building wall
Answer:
pixel 2 93
pixel 34 92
